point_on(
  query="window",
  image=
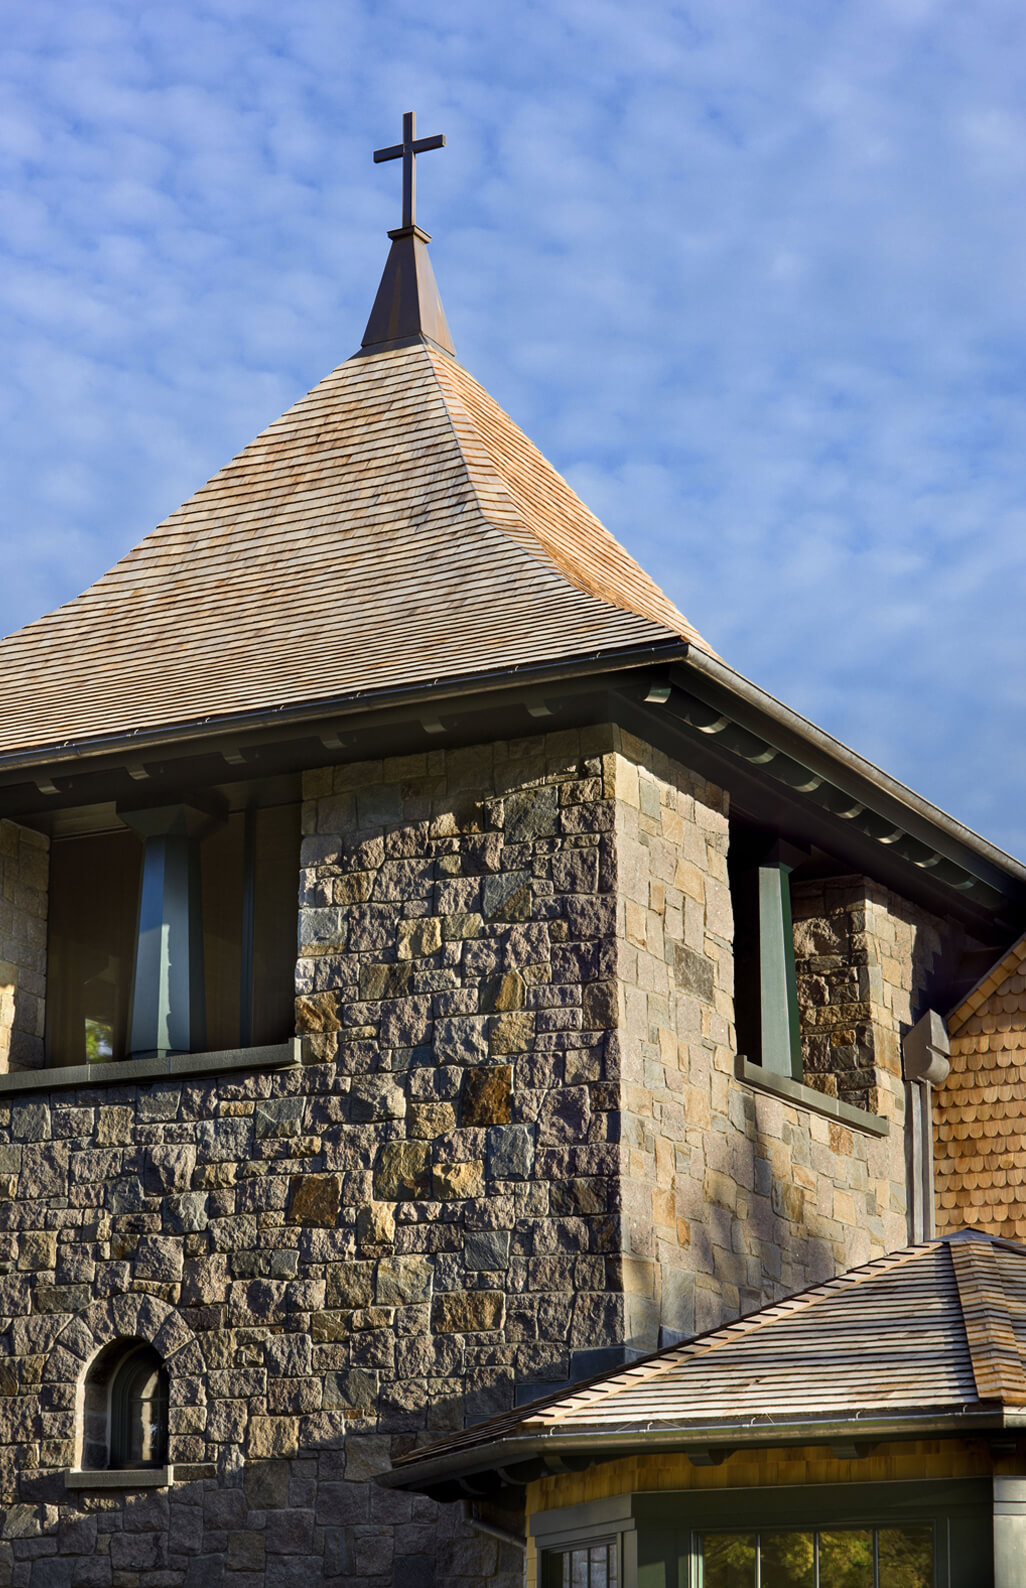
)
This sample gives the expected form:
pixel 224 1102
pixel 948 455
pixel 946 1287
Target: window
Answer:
pixel 848 1557
pixel 174 931
pixel 765 985
pixel 125 1409
pixel 586 1566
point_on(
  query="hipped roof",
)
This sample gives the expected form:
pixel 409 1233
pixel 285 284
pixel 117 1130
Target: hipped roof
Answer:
pixel 393 528
pixel 931 1334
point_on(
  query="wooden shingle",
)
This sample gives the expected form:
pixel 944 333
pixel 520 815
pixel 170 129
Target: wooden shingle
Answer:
pixel 394 528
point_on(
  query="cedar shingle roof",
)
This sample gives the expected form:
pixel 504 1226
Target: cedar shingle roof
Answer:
pixel 980 1111
pixel 936 1330
pixel 393 528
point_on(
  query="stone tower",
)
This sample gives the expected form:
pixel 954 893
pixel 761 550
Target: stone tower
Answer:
pixel 269 1217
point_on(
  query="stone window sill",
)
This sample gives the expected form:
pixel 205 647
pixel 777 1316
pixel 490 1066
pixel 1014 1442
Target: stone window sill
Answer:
pixel 282 1055
pixel 801 1096
pixel 123 1478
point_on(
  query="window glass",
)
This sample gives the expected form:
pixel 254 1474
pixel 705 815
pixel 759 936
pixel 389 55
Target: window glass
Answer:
pixel 729 1560
pixel 788 1560
pixel 846 1559
pixel 850 1557
pixel 590 1566
pixel 94 902
pixel 906 1557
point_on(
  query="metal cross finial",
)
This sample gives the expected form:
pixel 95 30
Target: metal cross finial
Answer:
pixel 408 151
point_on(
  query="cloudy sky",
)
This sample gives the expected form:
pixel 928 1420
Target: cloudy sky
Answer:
pixel 752 273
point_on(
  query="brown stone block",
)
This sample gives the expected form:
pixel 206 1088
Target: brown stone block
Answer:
pixel 317 1012
pixel 385 981
pixel 350 1285
pixel 272 1436
pixel 457 1181
pixel 401 1172
pixel 510 1033
pixel 503 993
pixel 314 1199
pixel 467 1311
pixel 487 1096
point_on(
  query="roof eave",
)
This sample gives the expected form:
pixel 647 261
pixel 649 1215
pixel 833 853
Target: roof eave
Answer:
pixel 753 703
pixel 298 713
pixel 602 1445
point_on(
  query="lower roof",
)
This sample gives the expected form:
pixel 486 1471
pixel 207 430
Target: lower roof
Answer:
pixel 932 1336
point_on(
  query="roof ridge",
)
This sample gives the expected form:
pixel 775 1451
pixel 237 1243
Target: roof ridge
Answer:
pixel 994 1350
pixel 467 428
pixel 667 1360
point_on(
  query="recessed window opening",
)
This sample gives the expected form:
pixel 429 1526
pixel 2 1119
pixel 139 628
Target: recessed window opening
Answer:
pixel 766 1017
pixel 242 877
pixel 125 1409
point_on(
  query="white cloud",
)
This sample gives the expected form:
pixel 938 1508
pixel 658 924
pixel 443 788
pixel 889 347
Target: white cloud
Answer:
pixel 751 275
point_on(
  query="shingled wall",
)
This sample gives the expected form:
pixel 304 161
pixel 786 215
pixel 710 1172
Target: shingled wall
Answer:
pixel 980 1112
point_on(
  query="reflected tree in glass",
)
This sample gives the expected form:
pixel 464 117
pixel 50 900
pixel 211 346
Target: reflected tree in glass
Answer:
pixel 728 1560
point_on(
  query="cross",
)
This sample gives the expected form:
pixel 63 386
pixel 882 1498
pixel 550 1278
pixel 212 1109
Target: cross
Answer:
pixel 408 151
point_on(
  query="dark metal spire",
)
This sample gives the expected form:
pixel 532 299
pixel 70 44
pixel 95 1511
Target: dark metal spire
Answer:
pixel 407 304
pixel 407 152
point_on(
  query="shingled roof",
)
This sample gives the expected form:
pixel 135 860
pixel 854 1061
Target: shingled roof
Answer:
pixel 929 1335
pixel 393 528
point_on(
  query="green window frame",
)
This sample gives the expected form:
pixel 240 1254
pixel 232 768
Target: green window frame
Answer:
pixel 870 1555
pixel 591 1563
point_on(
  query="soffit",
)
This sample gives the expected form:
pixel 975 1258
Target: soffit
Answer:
pixel 393 528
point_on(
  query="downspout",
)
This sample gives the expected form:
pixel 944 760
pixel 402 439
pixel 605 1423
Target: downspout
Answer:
pixel 925 1063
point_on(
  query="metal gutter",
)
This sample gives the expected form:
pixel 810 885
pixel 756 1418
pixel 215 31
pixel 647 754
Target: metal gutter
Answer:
pixel 826 748
pixel 607 1445
pixel 305 712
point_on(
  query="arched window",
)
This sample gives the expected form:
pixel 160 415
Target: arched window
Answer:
pixel 125 1408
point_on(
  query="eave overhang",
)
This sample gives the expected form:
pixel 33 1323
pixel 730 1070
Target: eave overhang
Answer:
pixel 520 1459
pixel 776 765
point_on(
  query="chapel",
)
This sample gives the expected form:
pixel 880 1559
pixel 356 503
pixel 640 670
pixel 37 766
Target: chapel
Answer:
pixel 432 978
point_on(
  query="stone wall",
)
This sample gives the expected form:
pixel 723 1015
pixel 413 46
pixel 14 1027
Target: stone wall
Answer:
pixel 745 1197
pixel 517 1141
pixel 866 961
pixel 23 887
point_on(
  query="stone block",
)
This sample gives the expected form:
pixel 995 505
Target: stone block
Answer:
pixel 503 993
pixel 510 1034
pixel 385 981
pixel 402 1171
pixel 599 1009
pixel 402 1281
pixel 460 1040
pixel 486 1250
pixel 510 1152
pixel 487 1095
pixel 507 896
pixel 354 1390
pixel 457 1181
pixel 375 1225
pixel 314 1200
pixel 349 1285
pixel 467 1311
pixel 530 814
pixel 270 1437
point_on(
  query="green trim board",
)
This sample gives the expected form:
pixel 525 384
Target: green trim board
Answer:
pixel 278 1056
pixel 761 1079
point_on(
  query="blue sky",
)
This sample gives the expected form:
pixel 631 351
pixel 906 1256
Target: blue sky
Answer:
pixel 750 272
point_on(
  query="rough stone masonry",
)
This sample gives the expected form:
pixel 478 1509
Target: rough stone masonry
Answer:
pixel 516 1139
